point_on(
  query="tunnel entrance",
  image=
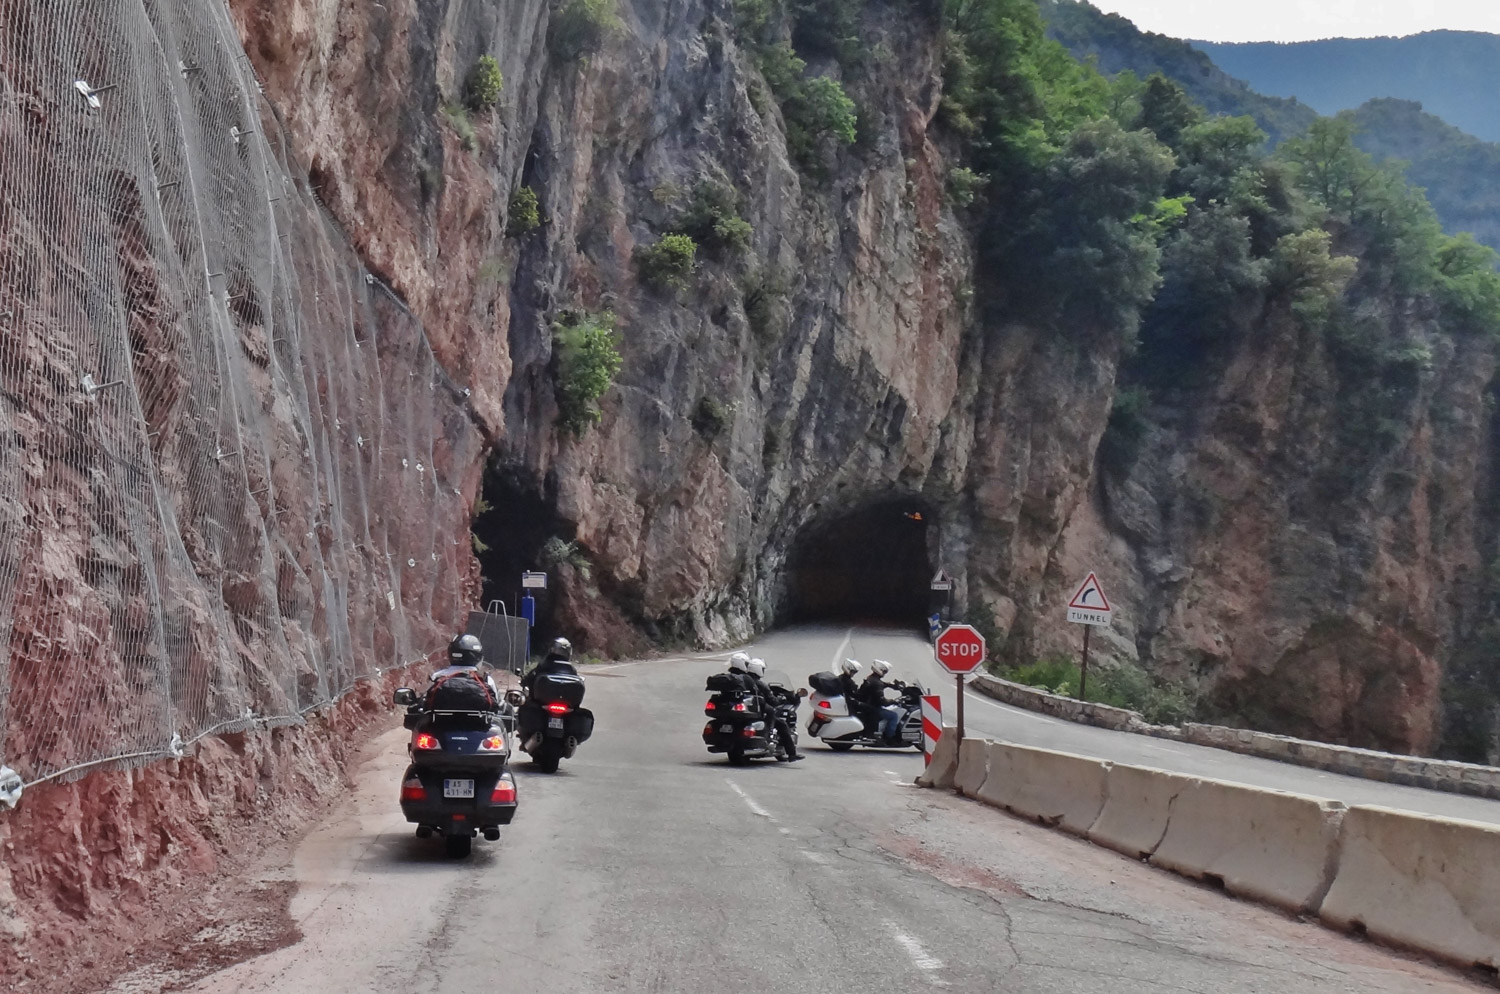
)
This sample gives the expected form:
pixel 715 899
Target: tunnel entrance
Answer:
pixel 513 524
pixel 874 563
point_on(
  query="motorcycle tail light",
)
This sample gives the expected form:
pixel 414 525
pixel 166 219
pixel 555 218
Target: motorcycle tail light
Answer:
pixel 740 706
pixel 428 741
pixel 412 790
pixel 710 705
pixel 748 732
pixel 824 704
pixel 504 793
pixel 558 707
pixel 495 743
pixel 708 728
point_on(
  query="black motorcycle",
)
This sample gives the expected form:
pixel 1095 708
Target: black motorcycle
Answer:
pixel 740 724
pixel 550 721
pixel 457 785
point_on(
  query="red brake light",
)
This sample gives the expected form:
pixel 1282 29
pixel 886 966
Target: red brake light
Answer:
pixel 495 743
pixel 823 704
pixel 412 790
pixel 504 793
pixel 748 732
pixel 426 740
pixel 557 707
pixel 710 705
pixel 740 706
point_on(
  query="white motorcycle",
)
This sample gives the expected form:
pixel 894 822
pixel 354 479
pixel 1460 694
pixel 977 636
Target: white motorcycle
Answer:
pixel 833 723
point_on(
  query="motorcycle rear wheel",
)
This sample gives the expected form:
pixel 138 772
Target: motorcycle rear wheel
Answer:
pixel 547 756
pixel 841 746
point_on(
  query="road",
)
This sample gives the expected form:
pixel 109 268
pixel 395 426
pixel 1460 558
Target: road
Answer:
pixel 911 656
pixel 647 865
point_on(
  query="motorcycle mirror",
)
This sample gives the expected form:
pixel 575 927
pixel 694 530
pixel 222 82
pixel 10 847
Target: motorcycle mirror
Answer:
pixel 405 696
pixel 801 691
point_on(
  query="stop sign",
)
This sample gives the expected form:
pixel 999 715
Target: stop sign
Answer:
pixel 960 649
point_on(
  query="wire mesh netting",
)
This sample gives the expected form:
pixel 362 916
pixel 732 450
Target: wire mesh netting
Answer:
pixel 219 504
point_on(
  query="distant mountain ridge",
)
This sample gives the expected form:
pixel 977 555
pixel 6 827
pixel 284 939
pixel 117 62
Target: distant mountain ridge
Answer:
pixel 1453 74
pixel 1460 173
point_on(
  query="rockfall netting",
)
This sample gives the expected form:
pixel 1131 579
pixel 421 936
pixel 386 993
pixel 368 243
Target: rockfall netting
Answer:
pixel 228 459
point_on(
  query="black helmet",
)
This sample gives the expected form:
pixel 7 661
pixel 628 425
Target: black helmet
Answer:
pixel 465 650
pixel 561 649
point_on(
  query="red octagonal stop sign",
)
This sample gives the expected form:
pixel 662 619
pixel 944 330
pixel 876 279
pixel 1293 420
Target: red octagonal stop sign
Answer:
pixel 959 649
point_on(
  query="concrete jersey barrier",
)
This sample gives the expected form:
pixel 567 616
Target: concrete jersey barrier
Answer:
pixel 1058 789
pixel 973 766
pixel 1137 804
pixel 1269 845
pixel 1421 882
pixel 941 771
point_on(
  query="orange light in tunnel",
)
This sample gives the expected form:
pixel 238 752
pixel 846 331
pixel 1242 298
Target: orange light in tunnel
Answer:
pixel 914 515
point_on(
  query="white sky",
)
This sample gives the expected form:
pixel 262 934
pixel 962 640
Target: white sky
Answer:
pixel 1303 20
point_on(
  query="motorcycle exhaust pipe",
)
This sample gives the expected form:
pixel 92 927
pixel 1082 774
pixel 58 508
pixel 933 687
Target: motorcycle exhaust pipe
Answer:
pixel 570 746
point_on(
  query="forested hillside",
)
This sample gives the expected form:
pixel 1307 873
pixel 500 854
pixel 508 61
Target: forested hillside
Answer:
pixel 1454 74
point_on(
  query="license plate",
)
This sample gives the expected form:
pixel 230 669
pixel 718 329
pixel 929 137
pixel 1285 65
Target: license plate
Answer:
pixel 458 788
pixel 554 723
pixel 726 728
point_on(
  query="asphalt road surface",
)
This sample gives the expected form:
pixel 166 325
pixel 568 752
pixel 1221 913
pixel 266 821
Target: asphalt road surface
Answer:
pixel 647 865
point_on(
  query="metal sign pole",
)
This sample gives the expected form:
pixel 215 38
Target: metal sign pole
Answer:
pixel 960 729
pixel 1083 676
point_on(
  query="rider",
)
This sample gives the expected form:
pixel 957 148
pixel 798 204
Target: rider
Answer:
pixel 465 655
pixel 852 692
pixel 756 671
pixel 558 660
pixel 872 694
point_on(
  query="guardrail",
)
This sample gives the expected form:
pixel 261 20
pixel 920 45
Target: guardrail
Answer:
pixel 1423 883
pixel 1368 764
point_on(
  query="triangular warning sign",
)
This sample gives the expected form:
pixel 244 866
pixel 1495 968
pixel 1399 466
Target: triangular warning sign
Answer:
pixel 1090 596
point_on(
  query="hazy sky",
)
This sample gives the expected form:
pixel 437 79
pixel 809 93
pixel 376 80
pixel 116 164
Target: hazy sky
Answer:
pixel 1303 20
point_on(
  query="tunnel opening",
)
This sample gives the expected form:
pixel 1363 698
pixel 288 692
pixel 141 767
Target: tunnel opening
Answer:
pixel 872 564
pixel 514 522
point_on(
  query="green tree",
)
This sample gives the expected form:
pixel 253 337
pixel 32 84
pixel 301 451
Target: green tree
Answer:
pixel 1305 271
pixel 668 263
pixel 587 361
pixel 829 109
pixel 1166 110
pixel 482 88
pixel 525 214
pixel 580 27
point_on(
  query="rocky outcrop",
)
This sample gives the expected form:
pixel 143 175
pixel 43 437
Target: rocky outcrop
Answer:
pixel 1301 579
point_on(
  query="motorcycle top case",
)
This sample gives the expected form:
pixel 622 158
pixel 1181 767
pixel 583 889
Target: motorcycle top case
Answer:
pixel 826 684
pixel 723 683
pixel 565 688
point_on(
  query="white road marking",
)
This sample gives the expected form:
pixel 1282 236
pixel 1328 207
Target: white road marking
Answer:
pixel 920 958
pixel 892 773
pixel 784 831
pixel 756 808
pixel 838 654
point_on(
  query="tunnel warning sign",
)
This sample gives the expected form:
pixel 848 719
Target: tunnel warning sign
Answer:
pixel 1089 606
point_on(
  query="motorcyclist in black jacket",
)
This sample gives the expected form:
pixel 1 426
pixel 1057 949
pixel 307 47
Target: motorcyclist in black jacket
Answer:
pixel 756 671
pixel 558 660
pixel 872 696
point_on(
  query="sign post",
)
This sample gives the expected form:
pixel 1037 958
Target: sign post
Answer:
pixel 530 581
pixel 1089 607
pixel 959 650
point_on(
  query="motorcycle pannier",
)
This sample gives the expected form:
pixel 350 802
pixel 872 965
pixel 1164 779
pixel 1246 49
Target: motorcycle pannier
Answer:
pixel 826 684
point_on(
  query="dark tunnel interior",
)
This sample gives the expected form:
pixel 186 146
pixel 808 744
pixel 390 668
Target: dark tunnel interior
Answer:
pixel 511 527
pixel 872 563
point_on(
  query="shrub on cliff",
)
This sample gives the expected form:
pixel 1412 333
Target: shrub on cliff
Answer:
pixel 525 214
pixel 668 263
pixel 482 88
pixel 580 27
pixel 586 363
pixel 819 115
pixel 712 218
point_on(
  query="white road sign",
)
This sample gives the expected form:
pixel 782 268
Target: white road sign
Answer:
pixel 1089 606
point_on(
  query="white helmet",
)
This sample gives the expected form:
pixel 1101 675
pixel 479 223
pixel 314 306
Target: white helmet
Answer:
pixel 738 662
pixel 880 667
pixel 757 666
pixel 852 667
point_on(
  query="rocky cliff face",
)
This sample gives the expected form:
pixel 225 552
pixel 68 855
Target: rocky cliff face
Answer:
pixel 1256 545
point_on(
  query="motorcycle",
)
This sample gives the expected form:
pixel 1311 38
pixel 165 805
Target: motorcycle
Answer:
pixel 833 723
pixel 739 728
pixel 457 785
pixel 550 724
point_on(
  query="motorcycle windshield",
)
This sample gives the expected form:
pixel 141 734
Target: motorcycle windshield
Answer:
pixel 778 678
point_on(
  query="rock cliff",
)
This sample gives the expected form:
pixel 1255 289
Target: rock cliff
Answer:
pixel 1257 545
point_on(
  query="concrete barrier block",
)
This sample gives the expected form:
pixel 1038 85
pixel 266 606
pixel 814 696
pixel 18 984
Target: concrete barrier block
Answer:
pixel 944 766
pixel 1427 883
pixel 973 766
pixel 1267 845
pixel 1137 803
pixel 1056 788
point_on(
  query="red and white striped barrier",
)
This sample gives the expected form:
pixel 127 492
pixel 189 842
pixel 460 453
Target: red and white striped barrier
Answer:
pixel 932 726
